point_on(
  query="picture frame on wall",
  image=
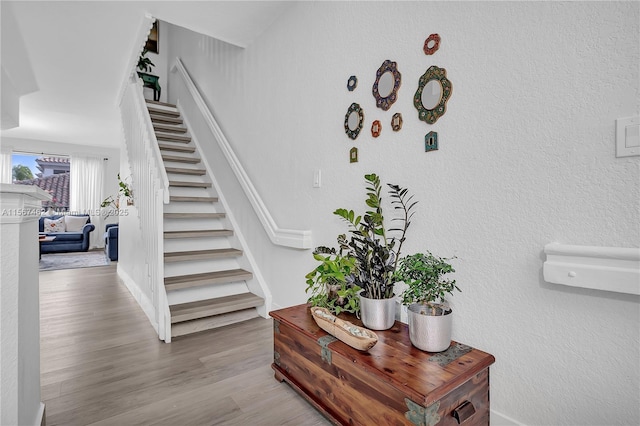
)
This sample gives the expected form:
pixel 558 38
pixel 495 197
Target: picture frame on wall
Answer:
pixel 152 40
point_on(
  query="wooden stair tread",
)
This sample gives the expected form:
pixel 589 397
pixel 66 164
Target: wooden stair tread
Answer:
pixel 168 137
pixel 165 119
pixel 211 307
pixel 149 101
pixel 180 171
pixel 208 323
pixel 169 128
pixel 194 215
pixel 160 111
pixel 177 148
pixel 180 159
pixel 198 234
pixel 206 278
pixel 190 184
pixel 181 198
pixel 181 256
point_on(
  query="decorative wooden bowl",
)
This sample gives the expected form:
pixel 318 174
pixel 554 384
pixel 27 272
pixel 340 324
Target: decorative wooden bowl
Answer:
pixel 357 337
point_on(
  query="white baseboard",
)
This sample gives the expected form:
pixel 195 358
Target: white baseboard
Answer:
pixel 498 419
pixel 40 417
pixel 141 298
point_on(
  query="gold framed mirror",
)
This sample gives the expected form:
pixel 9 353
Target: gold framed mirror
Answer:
pixel 353 120
pixel 434 90
pixel 385 88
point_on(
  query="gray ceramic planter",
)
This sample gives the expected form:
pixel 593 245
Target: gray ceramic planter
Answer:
pixel 377 314
pixel 431 333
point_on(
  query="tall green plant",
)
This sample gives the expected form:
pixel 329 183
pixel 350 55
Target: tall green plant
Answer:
pixel 375 252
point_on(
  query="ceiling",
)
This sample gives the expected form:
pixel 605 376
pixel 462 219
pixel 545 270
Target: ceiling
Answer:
pixel 78 54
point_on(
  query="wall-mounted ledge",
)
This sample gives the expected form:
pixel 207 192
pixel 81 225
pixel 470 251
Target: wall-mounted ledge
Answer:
pixel 601 268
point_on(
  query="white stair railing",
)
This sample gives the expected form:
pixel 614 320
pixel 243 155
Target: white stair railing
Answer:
pixel 150 186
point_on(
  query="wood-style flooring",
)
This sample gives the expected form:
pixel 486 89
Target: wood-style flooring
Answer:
pixel 102 363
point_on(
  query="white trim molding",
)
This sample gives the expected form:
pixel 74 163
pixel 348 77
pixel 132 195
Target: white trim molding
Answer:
pixel 614 269
pixel 301 239
pixel 146 23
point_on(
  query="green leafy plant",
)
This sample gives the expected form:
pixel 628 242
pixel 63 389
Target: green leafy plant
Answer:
pixel 144 63
pixel 329 283
pixel 371 245
pixel 423 273
pixel 123 190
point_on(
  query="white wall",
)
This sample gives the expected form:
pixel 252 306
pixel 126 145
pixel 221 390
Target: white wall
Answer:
pixel 527 157
pixel 19 306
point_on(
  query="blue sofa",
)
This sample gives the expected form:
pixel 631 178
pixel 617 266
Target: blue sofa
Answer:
pixel 66 242
pixel 111 241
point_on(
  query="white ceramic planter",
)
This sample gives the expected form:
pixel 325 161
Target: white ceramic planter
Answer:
pixel 431 333
pixel 377 314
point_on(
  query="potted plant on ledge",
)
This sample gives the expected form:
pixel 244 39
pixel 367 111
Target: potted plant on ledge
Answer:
pixel 430 317
pixel 376 252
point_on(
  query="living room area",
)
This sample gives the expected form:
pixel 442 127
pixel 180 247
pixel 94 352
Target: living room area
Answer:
pixel 78 226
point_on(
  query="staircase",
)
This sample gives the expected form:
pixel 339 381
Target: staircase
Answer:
pixel 206 288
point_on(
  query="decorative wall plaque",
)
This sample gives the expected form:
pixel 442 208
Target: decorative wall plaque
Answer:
pixel 353 155
pixel 353 120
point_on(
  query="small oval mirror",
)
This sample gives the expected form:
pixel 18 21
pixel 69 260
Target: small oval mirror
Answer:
pixel 431 94
pixel 354 120
pixel 385 85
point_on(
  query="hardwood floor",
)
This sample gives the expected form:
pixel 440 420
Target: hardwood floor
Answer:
pixel 102 363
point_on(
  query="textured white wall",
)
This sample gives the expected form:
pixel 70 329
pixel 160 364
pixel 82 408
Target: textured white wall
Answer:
pixel 19 305
pixel 527 157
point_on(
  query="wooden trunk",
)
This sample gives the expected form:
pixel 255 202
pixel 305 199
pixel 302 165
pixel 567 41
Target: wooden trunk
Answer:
pixel 393 383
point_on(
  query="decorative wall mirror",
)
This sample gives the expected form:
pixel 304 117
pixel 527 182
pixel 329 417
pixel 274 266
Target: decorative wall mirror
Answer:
pixel 431 142
pixel 434 90
pixel 353 120
pixel 353 155
pixel 396 122
pixel 376 128
pixel 431 44
pixel 385 88
pixel 352 83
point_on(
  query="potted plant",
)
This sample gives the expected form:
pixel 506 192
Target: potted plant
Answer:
pixel 329 282
pixel 114 200
pixel 376 251
pixel 430 316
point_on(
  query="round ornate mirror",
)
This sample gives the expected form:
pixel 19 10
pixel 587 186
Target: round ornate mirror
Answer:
pixel 385 88
pixel 353 120
pixel 352 83
pixel 434 90
pixel 431 44
pixel 431 94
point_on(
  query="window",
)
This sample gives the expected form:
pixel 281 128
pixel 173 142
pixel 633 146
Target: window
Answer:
pixel 51 173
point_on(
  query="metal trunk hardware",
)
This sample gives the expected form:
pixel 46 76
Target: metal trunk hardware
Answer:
pixel 325 352
pixel 421 416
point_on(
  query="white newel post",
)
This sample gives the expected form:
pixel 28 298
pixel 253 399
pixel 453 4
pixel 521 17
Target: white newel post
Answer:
pixel 20 402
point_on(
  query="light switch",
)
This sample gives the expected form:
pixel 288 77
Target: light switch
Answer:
pixel 628 136
pixel 632 137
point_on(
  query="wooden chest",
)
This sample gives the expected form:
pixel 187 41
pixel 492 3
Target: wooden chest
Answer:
pixel 393 383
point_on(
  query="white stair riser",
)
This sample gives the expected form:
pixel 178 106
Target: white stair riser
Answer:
pixel 205 292
pixel 192 207
pixel 174 269
pixel 192 192
pixel 184 244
